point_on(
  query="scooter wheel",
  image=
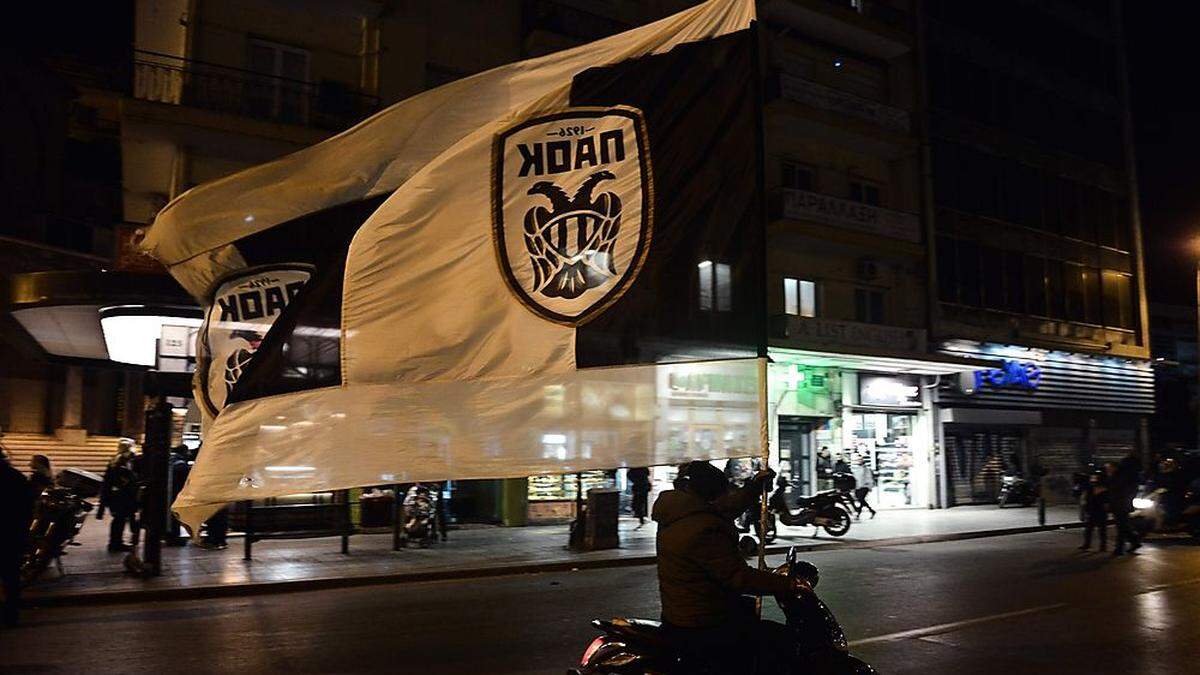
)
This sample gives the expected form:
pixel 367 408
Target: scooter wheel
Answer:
pixel 840 524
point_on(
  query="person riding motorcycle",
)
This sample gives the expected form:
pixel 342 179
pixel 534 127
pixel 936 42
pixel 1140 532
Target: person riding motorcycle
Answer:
pixel 703 577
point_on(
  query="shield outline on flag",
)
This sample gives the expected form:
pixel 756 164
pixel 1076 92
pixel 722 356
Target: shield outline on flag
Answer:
pixel 626 277
pixel 204 361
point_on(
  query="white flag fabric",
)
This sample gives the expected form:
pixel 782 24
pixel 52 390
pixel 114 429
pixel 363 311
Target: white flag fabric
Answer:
pixel 589 208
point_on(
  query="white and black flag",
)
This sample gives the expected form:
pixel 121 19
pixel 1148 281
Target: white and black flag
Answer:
pixel 472 325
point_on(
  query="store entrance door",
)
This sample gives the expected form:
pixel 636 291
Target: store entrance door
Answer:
pixel 795 452
pixel 885 439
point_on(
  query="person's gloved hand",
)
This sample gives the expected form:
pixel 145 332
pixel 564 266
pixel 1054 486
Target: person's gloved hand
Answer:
pixel 764 479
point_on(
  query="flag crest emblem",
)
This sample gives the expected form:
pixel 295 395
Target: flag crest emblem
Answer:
pixel 572 209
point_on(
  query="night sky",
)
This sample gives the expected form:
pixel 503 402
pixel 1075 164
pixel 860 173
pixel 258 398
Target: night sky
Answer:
pixel 1162 53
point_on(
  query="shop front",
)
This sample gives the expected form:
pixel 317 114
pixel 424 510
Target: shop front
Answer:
pixel 876 410
pixel 1037 411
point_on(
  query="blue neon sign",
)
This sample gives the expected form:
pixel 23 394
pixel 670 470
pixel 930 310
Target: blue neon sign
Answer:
pixel 1016 374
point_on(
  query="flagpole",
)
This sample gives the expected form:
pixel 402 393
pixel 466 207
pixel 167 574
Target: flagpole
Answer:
pixel 764 433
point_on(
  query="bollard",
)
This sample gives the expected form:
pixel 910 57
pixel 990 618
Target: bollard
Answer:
pixel 1041 511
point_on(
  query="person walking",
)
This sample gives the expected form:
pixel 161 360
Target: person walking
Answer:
pixel 119 495
pixel 1095 508
pixel 864 480
pixel 639 484
pixel 1122 488
pixel 16 510
pixel 41 474
pixel 840 465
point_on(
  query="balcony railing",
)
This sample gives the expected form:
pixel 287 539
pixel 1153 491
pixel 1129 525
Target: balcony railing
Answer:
pixel 846 214
pixel 324 105
pixel 817 95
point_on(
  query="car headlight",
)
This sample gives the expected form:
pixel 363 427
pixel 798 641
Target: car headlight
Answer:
pixel 1143 503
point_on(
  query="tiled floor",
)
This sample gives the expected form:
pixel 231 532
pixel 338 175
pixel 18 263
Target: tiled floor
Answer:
pixel 90 569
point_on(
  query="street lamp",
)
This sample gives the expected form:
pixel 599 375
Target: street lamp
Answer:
pixel 1195 247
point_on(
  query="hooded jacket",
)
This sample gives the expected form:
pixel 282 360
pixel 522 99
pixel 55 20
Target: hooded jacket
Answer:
pixel 701 573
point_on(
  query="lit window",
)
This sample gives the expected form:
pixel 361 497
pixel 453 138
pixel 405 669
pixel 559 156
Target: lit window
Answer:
pixel 800 297
pixel 706 284
pixel 724 288
pixel 715 286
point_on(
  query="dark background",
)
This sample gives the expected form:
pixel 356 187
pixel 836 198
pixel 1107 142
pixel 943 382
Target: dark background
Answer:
pixel 1161 40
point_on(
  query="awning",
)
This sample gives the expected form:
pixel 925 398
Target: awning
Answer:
pixel 881 362
pixel 63 313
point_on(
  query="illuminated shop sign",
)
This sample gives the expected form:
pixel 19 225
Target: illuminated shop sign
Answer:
pixel 886 390
pixel 1013 374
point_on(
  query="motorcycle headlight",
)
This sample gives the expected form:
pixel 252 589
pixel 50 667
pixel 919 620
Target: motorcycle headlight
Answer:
pixel 1143 503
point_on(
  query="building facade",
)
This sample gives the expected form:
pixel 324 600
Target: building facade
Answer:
pixel 1036 258
pixel 955 276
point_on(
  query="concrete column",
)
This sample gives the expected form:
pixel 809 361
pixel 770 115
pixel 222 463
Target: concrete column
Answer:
pixel 72 430
pixel 133 406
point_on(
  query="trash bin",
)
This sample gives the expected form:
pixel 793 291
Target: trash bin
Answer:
pixel 600 524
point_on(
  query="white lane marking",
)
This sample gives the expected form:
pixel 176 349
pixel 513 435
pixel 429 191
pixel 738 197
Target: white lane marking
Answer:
pixel 955 625
pixel 1173 584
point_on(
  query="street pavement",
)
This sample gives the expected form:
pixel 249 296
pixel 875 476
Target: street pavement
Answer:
pixel 1023 604
pixel 92 572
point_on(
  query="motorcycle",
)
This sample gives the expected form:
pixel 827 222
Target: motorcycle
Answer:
pixel 1153 512
pixel 642 646
pixel 58 516
pixel 824 509
pixel 420 515
pixel 1015 489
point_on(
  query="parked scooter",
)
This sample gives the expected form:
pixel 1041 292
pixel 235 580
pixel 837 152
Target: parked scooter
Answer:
pixel 1015 489
pixel 641 646
pixel 824 509
pixel 420 515
pixel 58 516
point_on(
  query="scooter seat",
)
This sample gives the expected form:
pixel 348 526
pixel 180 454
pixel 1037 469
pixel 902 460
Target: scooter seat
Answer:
pixel 643 631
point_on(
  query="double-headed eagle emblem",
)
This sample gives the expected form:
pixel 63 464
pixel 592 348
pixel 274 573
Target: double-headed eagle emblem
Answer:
pixel 571 244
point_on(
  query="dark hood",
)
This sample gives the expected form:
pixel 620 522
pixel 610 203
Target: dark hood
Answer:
pixel 674 505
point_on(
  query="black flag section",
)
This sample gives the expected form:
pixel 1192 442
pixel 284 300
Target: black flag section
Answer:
pixel 701 291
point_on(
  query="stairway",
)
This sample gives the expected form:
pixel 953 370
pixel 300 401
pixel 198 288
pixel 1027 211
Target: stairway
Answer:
pixel 93 455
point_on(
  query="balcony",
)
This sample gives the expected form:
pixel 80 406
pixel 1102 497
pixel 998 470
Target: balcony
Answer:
pixel 817 95
pixel 846 214
pixel 327 105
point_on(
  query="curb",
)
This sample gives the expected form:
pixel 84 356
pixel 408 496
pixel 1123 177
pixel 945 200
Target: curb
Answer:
pixel 87 598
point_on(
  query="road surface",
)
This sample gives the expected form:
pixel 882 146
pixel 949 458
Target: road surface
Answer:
pixel 1003 605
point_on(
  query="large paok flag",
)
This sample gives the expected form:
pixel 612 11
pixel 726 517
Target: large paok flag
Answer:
pixel 573 282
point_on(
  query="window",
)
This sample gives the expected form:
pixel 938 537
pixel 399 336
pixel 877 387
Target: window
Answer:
pixel 864 192
pixel 1056 305
pixel 1091 295
pixel 1014 282
pixel 1118 299
pixel 1035 285
pixel 715 286
pixel 1073 285
pixel 282 91
pixel 993 278
pixel 968 272
pixel 795 176
pixel 800 297
pixel 947 279
pixel 868 306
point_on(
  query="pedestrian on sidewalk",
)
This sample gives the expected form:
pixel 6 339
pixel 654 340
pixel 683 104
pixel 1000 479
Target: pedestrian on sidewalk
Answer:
pixel 180 467
pixel 639 483
pixel 1095 508
pixel 864 480
pixel 1123 479
pixel 119 495
pixel 41 474
pixel 16 510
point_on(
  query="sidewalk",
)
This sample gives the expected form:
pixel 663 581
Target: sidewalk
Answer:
pixel 93 575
